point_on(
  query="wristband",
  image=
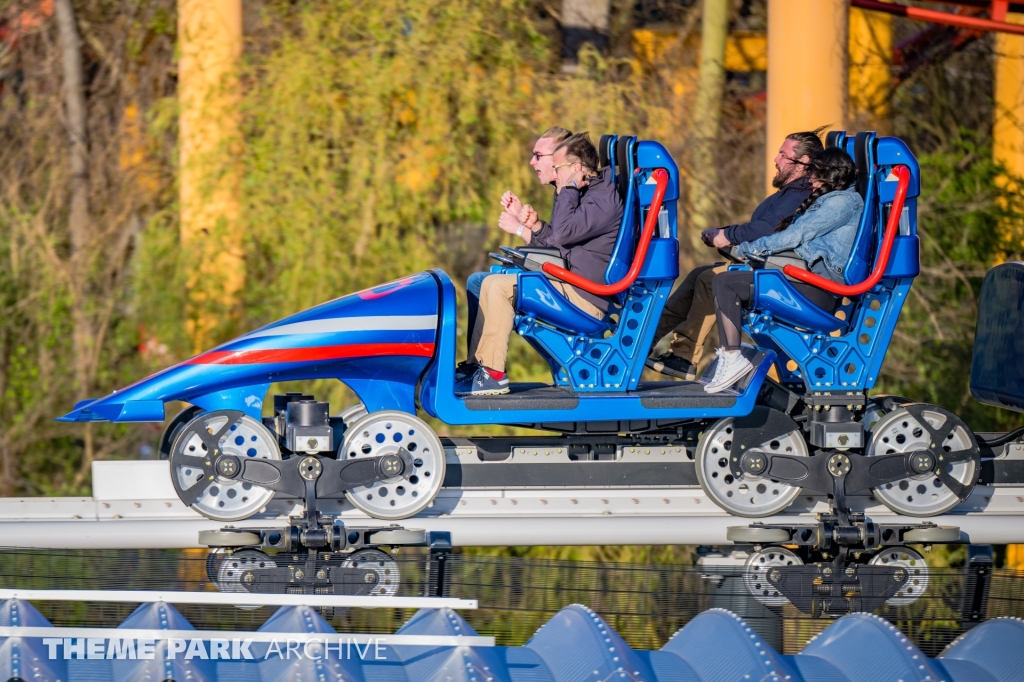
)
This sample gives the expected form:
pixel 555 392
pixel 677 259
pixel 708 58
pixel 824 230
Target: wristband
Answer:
pixel 519 232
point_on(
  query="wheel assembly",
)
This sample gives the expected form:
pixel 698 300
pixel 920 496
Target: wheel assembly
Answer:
pixel 917 571
pixel 755 573
pixel 352 413
pixel 744 494
pixel 227 571
pixel 934 432
pixel 201 459
pixel 381 563
pixel 413 488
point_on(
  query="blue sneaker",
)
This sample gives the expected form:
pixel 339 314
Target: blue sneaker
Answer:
pixel 481 383
pixel 464 370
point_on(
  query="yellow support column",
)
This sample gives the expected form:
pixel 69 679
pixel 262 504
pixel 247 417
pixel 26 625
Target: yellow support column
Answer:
pixel 210 45
pixel 807 84
pixel 870 59
pixel 1008 148
pixel 1008 126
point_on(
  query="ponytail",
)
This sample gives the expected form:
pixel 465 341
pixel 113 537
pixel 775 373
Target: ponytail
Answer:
pixel 806 204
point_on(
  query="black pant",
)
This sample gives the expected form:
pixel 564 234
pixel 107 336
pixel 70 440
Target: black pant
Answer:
pixel 733 292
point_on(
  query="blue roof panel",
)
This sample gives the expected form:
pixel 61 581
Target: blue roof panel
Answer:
pixel 575 645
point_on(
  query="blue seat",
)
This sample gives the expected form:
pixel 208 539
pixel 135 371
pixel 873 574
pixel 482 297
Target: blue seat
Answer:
pixel 590 354
pixel 844 350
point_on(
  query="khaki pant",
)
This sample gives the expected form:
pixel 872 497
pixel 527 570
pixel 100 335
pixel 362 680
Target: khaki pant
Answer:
pixel 690 312
pixel 488 344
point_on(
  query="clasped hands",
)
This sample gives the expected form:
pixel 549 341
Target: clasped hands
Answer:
pixel 517 213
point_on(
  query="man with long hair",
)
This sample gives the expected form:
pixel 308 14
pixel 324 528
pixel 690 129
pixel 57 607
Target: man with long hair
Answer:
pixel 690 310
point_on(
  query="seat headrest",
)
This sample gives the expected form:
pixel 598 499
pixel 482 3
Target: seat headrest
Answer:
pixel 835 138
pixel 622 172
pixel 861 158
pixel 604 151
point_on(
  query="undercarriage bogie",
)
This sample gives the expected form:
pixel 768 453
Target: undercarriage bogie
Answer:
pixel 328 558
pixel 227 465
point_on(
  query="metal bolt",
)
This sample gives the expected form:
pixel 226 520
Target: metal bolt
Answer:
pixel 299 575
pixel 370 577
pixel 321 574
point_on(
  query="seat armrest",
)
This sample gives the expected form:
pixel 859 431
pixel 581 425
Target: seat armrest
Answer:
pixel 535 261
pixel 546 250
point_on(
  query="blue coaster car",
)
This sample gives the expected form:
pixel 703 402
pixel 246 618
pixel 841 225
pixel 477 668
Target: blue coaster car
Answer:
pixel 395 347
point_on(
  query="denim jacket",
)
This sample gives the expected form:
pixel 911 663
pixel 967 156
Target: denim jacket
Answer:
pixel 823 235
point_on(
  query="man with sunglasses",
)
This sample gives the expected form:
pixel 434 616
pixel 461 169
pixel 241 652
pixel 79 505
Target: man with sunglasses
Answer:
pixel 690 311
pixel 584 223
pixel 543 166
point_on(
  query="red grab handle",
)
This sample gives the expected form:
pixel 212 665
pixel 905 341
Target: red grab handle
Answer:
pixel 891 229
pixel 660 176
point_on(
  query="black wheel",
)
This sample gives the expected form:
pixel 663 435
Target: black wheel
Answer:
pixel 175 427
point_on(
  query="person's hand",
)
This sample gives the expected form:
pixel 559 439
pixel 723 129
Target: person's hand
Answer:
pixel 511 203
pixel 508 222
pixel 719 240
pixel 528 217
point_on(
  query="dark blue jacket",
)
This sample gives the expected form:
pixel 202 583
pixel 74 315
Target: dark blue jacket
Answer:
pixel 584 226
pixel 770 212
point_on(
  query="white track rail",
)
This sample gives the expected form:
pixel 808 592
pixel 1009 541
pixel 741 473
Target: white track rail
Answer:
pixel 240 599
pixel 134 506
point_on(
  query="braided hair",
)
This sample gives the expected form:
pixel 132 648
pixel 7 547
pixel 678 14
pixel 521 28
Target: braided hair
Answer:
pixel 834 169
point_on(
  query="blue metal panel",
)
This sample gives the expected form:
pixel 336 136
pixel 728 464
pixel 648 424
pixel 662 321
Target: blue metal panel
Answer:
pixel 622 253
pixel 862 254
pixel 318 665
pixel 577 644
pixel 662 262
pixel 651 155
pixel 813 669
pixel 26 658
pixel 774 296
pixel 892 151
pixel 668 667
pixel 524 665
pixel 905 259
pixel 719 645
pixel 161 616
pixel 437 394
pixel 385 334
pixel 893 656
pixel 536 298
pixel 997 646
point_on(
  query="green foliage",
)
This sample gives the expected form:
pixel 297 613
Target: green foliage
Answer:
pixel 967 224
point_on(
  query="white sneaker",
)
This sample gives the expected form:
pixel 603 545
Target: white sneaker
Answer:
pixel 732 366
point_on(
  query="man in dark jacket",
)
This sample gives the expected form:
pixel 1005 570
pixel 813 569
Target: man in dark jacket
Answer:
pixel 690 310
pixel 584 223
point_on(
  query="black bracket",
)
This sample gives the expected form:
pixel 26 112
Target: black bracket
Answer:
pixel 836 588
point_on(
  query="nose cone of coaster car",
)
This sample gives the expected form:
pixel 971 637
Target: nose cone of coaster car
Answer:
pixel 378 341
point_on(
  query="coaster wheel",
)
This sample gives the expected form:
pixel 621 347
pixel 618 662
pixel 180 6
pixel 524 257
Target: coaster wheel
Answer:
pixel 381 563
pixel 755 573
pixel 919 427
pixel 385 433
pixel 193 464
pixel 744 495
pixel 917 571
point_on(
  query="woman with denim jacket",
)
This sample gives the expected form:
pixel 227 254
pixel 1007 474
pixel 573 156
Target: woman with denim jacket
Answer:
pixel 821 232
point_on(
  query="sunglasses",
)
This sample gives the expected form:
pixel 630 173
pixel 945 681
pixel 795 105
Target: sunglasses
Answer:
pixel 536 156
pixel 563 165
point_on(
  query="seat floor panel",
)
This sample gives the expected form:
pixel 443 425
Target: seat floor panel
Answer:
pixel 652 394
